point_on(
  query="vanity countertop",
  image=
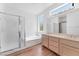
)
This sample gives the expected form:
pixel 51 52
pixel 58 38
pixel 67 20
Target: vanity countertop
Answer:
pixel 64 36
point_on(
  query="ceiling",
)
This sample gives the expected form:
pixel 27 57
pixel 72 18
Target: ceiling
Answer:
pixel 34 8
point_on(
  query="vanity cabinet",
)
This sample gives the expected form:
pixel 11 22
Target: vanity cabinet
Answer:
pixel 54 44
pixel 68 50
pixel 45 41
pixel 64 46
pixel 69 47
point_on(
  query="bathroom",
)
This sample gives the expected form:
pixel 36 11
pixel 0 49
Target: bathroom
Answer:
pixel 22 24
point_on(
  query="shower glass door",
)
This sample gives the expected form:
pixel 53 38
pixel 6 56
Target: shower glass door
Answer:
pixel 9 28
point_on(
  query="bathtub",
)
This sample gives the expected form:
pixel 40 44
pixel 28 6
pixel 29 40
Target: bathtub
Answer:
pixel 35 37
pixel 32 40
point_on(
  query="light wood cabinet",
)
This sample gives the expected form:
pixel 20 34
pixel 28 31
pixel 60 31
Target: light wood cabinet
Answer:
pixel 53 48
pixel 45 41
pixel 61 46
pixel 69 48
pixel 66 50
pixel 54 44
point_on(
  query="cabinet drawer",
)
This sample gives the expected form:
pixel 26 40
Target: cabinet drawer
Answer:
pixel 53 48
pixel 53 38
pixel 68 51
pixel 70 43
pixel 53 43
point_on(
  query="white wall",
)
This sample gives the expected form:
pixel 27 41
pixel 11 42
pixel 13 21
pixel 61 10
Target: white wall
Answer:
pixel 31 25
pixel 45 24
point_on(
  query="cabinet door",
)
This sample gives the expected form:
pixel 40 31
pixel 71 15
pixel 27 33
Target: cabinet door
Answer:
pixel 53 48
pixel 45 41
pixel 66 50
pixel 53 44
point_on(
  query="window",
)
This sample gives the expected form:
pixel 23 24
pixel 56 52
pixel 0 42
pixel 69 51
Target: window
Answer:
pixel 40 23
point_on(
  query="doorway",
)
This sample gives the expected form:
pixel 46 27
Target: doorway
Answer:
pixel 62 24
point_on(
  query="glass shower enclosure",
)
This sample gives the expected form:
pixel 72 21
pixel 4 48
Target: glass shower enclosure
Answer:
pixel 11 32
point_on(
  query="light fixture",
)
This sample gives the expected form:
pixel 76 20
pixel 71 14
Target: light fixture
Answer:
pixel 62 8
